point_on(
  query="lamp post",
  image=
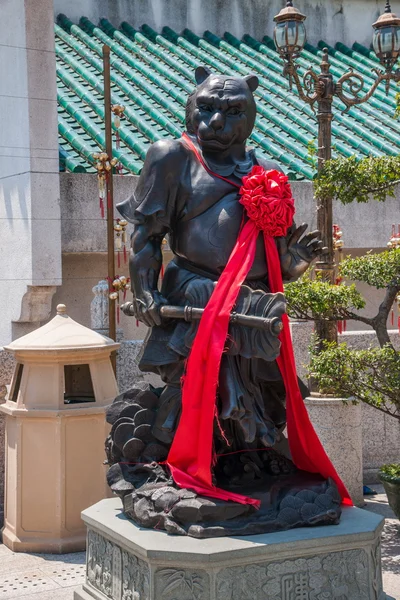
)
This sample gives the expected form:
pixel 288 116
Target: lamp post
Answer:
pixel 319 88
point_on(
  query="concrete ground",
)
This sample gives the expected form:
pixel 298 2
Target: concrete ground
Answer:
pixel 40 576
pixel 55 577
pixel 390 542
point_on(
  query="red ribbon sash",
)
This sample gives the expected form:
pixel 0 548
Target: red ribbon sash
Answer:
pixel 190 456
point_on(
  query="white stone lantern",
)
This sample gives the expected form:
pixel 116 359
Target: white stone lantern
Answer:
pixel 55 431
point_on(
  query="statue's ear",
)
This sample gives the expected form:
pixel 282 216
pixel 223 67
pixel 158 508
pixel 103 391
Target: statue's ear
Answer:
pixel 252 82
pixel 201 74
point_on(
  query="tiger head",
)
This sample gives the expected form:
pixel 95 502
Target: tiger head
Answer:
pixel 221 111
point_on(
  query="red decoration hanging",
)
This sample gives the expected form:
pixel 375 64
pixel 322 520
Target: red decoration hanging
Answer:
pixel 124 224
pixel 268 200
pixel 101 186
pixel 103 167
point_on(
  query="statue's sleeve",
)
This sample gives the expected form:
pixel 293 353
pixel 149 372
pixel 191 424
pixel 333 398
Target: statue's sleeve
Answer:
pixel 155 198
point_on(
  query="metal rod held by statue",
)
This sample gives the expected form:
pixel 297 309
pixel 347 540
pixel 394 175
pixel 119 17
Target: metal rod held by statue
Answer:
pixel 190 313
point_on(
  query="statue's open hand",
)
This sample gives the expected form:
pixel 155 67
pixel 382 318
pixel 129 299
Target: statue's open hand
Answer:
pixel 297 251
pixel 147 308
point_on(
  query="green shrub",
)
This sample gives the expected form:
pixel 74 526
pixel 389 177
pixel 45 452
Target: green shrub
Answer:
pixel 392 470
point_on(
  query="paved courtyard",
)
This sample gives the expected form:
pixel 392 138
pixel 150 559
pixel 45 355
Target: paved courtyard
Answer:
pixel 55 577
pixel 390 542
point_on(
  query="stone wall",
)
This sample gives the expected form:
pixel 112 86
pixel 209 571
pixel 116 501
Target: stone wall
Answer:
pixel 332 21
pixel 84 259
pixel 30 227
pixel 365 226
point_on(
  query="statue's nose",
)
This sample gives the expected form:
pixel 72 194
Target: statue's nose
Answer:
pixel 217 121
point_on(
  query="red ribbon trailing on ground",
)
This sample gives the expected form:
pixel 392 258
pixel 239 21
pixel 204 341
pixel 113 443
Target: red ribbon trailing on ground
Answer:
pixel 268 201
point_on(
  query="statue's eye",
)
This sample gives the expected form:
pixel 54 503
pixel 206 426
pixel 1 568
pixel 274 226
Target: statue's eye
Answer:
pixel 206 107
pixel 234 111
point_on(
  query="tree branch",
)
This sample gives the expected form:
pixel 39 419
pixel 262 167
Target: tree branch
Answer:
pixel 380 320
pixel 381 188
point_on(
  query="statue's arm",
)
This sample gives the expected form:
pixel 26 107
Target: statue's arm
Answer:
pixel 152 208
pixel 297 251
pixel 144 267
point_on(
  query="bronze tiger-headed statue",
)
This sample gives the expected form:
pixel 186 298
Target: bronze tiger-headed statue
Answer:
pixel 188 190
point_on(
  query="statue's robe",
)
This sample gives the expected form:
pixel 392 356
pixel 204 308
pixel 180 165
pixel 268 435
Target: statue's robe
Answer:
pixel 202 216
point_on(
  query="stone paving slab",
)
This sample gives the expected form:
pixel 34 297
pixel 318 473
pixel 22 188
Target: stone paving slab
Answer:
pixel 40 576
pixel 57 576
pixel 18 583
pixel 63 594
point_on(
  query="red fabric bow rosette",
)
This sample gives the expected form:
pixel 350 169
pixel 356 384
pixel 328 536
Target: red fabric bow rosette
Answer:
pixel 267 198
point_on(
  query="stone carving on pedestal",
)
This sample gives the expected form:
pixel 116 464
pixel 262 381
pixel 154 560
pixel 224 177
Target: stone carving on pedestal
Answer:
pixel 347 574
pixel 340 575
pixel 376 568
pixel 185 585
pixel 116 573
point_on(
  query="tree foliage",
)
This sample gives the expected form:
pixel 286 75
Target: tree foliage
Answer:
pixel 370 376
pixel 373 375
pixel 378 270
pixel 315 299
pixel 353 179
pixel 392 471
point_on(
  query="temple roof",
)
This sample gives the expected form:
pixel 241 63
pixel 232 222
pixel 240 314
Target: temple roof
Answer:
pixel 153 73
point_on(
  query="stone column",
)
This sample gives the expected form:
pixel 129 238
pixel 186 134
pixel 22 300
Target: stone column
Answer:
pixel 339 427
pixel 30 228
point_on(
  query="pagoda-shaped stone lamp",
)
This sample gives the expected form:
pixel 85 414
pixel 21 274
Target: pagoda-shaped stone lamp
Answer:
pixel 55 430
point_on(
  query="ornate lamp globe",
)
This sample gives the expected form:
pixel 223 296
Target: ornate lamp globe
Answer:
pixel 289 32
pixel 386 40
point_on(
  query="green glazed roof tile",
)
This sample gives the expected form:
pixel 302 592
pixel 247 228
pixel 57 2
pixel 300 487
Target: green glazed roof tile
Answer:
pixel 152 73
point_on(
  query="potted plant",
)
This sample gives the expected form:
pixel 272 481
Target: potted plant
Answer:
pixel 390 477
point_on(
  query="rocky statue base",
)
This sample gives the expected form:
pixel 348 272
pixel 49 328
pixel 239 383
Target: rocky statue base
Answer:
pixel 126 562
pixel 289 498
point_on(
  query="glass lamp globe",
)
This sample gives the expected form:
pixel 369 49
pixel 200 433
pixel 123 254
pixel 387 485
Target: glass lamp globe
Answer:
pixel 386 39
pixel 289 32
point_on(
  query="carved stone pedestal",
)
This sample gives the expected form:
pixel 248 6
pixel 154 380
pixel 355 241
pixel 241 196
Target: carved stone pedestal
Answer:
pixel 125 562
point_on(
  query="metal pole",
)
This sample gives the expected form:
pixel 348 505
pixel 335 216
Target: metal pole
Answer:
pixel 110 195
pixel 326 266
